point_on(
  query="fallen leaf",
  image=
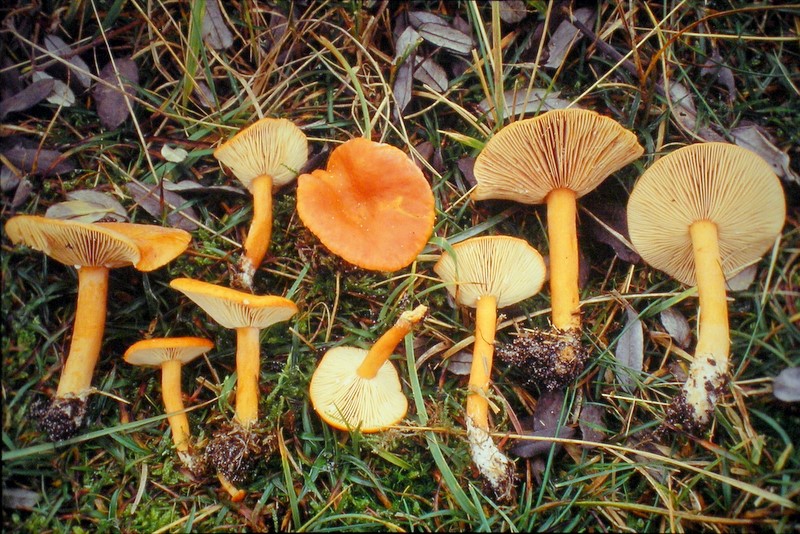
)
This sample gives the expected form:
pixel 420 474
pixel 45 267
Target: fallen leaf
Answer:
pixel 38 162
pixel 173 155
pixel 10 79
pixel 175 207
pixel 786 386
pixel 629 351
pixel 27 98
pixel 565 36
pixel 447 37
pixel 429 72
pixel 111 101
pixel 742 280
pixel 402 88
pixel 20 499
pixel 466 165
pixel 460 363
pixel 520 102
pixel 215 32
pixel 418 18
pixel 78 67
pixel 22 193
pixel 714 67
pixel 512 11
pixel 682 106
pixel 406 44
pixel 102 199
pixel 8 179
pixel 546 419
pixel 755 138
pixel 591 423
pixel 190 186
pixel 611 222
pixel 677 326
pixel 81 211
pixel 61 95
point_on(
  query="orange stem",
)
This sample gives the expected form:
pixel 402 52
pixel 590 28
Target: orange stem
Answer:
pixel 562 232
pixel 382 349
pixel 260 233
pixel 173 404
pixel 482 356
pixel 248 356
pixel 87 333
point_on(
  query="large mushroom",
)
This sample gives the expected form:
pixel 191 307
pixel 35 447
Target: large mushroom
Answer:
pixel 93 249
pixel 354 388
pixel 264 156
pixel 170 354
pixel 232 450
pixel 372 206
pixel 556 158
pixel 701 214
pixel 487 273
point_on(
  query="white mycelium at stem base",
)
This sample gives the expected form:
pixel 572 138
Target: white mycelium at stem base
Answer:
pixel 710 366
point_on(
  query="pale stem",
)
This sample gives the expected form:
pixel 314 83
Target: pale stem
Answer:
pixel 248 356
pixel 260 233
pixel 564 296
pixel 710 364
pixel 482 356
pixel 171 392
pixel 87 333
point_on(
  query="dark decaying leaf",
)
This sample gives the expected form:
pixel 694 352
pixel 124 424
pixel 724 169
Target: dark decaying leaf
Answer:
pixel 402 88
pixel 215 32
pixel 611 219
pixel 755 138
pixel 10 79
pixel 111 101
pixel 61 95
pixel 565 36
pixel 460 363
pixel 629 351
pixel 8 180
pixel 437 31
pixel 78 67
pixel 423 152
pixel 418 18
pixel 22 193
pixel 431 73
pixel 173 205
pixel 512 11
pixel 677 326
pixel 190 186
pixel 786 386
pixel 545 421
pixel 591 423
pixel 406 44
pixel 27 98
pixel 466 165
pixel 38 162
pixel 682 106
pixel 714 67
pixel 743 279
pixel 87 205
pixel 20 499
pixel 522 102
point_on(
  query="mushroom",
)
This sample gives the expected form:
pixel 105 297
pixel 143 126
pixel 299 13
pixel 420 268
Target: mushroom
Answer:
pixel 264 156
pixel 371 206
pixel 356 388
pixel 232 450
pixel 487 273
pixel 556 158
pixel 170 354
pixel 701 214
pixel 93 249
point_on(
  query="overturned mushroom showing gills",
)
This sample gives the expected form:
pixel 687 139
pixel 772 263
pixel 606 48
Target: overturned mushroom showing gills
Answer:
pixel 264 156
pixel 247 314
pixel 372 206
pixel 487 273
pixel 556 158
pixel 701 214
pixel 170 354
pixel 92 249
pixel 353 388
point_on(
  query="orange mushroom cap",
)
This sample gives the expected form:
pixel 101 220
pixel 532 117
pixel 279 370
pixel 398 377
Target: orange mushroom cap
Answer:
pixel 371 206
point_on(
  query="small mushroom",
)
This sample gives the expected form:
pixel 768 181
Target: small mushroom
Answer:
pixel 264 156
pixel 93 249
pixel 353 388
pixel 372 206
pixel 170 354
pixel 701 214
pixel 487 273
pixel 232 451
pixel 556 158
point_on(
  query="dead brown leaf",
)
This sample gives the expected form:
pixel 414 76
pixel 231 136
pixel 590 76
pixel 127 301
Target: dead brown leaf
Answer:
pixel 111 100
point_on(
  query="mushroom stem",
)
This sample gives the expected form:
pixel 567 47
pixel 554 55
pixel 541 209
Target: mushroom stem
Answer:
pixel 562 233
pixel 87 333
pixel 710 365
pixel 382 349
pixel 247 372
pixel 258 236
pixel 173 404
pixel 483 353
pixel 237 494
